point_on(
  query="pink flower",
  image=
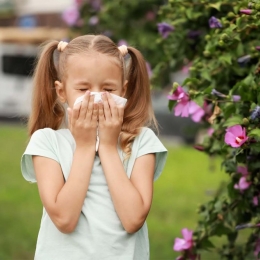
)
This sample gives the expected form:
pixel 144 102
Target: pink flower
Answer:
pixel 257 247
pixel 185 243
pixel 246 11
pixel 210 131
pixel 71 15
pixel 235 136
pixel 243 184
pixel 196 111
pixel 243 170
pixel 185 106
pixel 182 108
pixel 255 200
pixel 93 20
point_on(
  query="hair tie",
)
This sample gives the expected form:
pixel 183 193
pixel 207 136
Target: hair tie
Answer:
pixel 61 46
pixel 123 49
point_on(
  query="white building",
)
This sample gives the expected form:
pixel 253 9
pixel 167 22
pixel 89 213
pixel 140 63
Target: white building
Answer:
pixel 19 47
pixel 25 7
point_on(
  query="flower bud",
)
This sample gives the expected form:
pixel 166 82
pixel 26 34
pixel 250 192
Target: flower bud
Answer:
pixel 231 15
pixel 175 86
pixel 224 37
pixel 207 37
pixel 257 7
pixel 206 53
pixel 221 43
pixel 245 122
pixel 246 11
pixel 199 147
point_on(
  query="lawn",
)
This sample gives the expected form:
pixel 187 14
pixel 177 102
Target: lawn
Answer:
pixel 185 182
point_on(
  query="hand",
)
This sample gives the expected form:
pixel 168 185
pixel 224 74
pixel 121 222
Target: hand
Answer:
pixel 83 121
pixel 110 121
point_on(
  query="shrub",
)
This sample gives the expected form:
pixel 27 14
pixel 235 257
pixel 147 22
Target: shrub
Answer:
pixel 219 42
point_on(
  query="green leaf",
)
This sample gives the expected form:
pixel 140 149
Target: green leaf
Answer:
pixel 229 109
pixel 254 132
pixel 227 58
pixel 206 75
pixel 189 13
pixel 199 100
pixel 216 6
pixel 206 244
pixel 235 120
pixel 208 90
pixel 221 230
pixel 171 104
pixel 192 80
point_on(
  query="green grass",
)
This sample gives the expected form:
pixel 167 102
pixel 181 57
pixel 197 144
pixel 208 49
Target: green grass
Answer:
pixel 181 187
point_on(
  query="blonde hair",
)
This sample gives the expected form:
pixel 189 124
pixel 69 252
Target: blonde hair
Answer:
pixel 47 111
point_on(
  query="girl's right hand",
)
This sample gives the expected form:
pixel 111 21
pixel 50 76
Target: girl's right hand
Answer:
pixel 83 121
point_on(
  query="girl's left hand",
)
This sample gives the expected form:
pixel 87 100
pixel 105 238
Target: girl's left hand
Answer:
pixel 110 118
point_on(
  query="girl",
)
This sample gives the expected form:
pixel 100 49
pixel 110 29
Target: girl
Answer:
pixel 95 203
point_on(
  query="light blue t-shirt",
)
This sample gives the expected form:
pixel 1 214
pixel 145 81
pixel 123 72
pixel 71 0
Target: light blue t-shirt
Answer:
pixel 99 233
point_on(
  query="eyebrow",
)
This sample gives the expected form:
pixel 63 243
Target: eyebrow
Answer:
pixel 82 82
pixel 105 82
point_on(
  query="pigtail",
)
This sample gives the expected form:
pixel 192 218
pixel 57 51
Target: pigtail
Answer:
pixel 138 111
pixel 46 110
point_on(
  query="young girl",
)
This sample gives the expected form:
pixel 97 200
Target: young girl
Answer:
pixel 95 202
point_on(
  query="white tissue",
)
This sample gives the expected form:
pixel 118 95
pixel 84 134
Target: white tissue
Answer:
pixel 118 100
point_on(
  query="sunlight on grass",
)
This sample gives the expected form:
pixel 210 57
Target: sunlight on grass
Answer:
pixel 184 184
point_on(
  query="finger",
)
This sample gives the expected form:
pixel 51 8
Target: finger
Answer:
pixel 75 113
pixel 84 105
pixel 107 112
pixel 101 116
pixel 95 113
pixel 89 112
pixel 112 105
pixel 121 111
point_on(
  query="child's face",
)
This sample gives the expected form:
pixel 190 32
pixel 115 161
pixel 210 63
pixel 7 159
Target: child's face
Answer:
pixel 90 71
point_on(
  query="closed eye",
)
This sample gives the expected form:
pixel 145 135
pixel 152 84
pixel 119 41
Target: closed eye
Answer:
pixel 108 89
pixel 83 89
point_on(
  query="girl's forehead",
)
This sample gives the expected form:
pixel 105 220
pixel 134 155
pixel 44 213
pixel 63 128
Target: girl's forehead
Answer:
pixel 92 64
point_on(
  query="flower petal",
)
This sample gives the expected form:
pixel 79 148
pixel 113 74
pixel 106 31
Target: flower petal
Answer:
pixel 236 130
pixel 178 244
pixel 187 234
pixel 185 110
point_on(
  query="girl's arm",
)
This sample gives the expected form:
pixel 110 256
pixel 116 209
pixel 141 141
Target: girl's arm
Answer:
pixel 131 197
pixel 63 201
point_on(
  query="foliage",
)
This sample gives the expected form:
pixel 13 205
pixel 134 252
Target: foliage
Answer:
pixel 219 41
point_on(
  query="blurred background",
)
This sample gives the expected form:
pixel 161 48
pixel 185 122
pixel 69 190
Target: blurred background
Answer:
pixel 189 176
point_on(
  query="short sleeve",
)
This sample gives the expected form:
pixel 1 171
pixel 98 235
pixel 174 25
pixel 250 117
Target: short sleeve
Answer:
pixel 39 144
pixel 150 143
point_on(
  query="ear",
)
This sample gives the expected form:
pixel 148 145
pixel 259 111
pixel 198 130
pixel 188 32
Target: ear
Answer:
pixel 124 88
pixel 60 91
